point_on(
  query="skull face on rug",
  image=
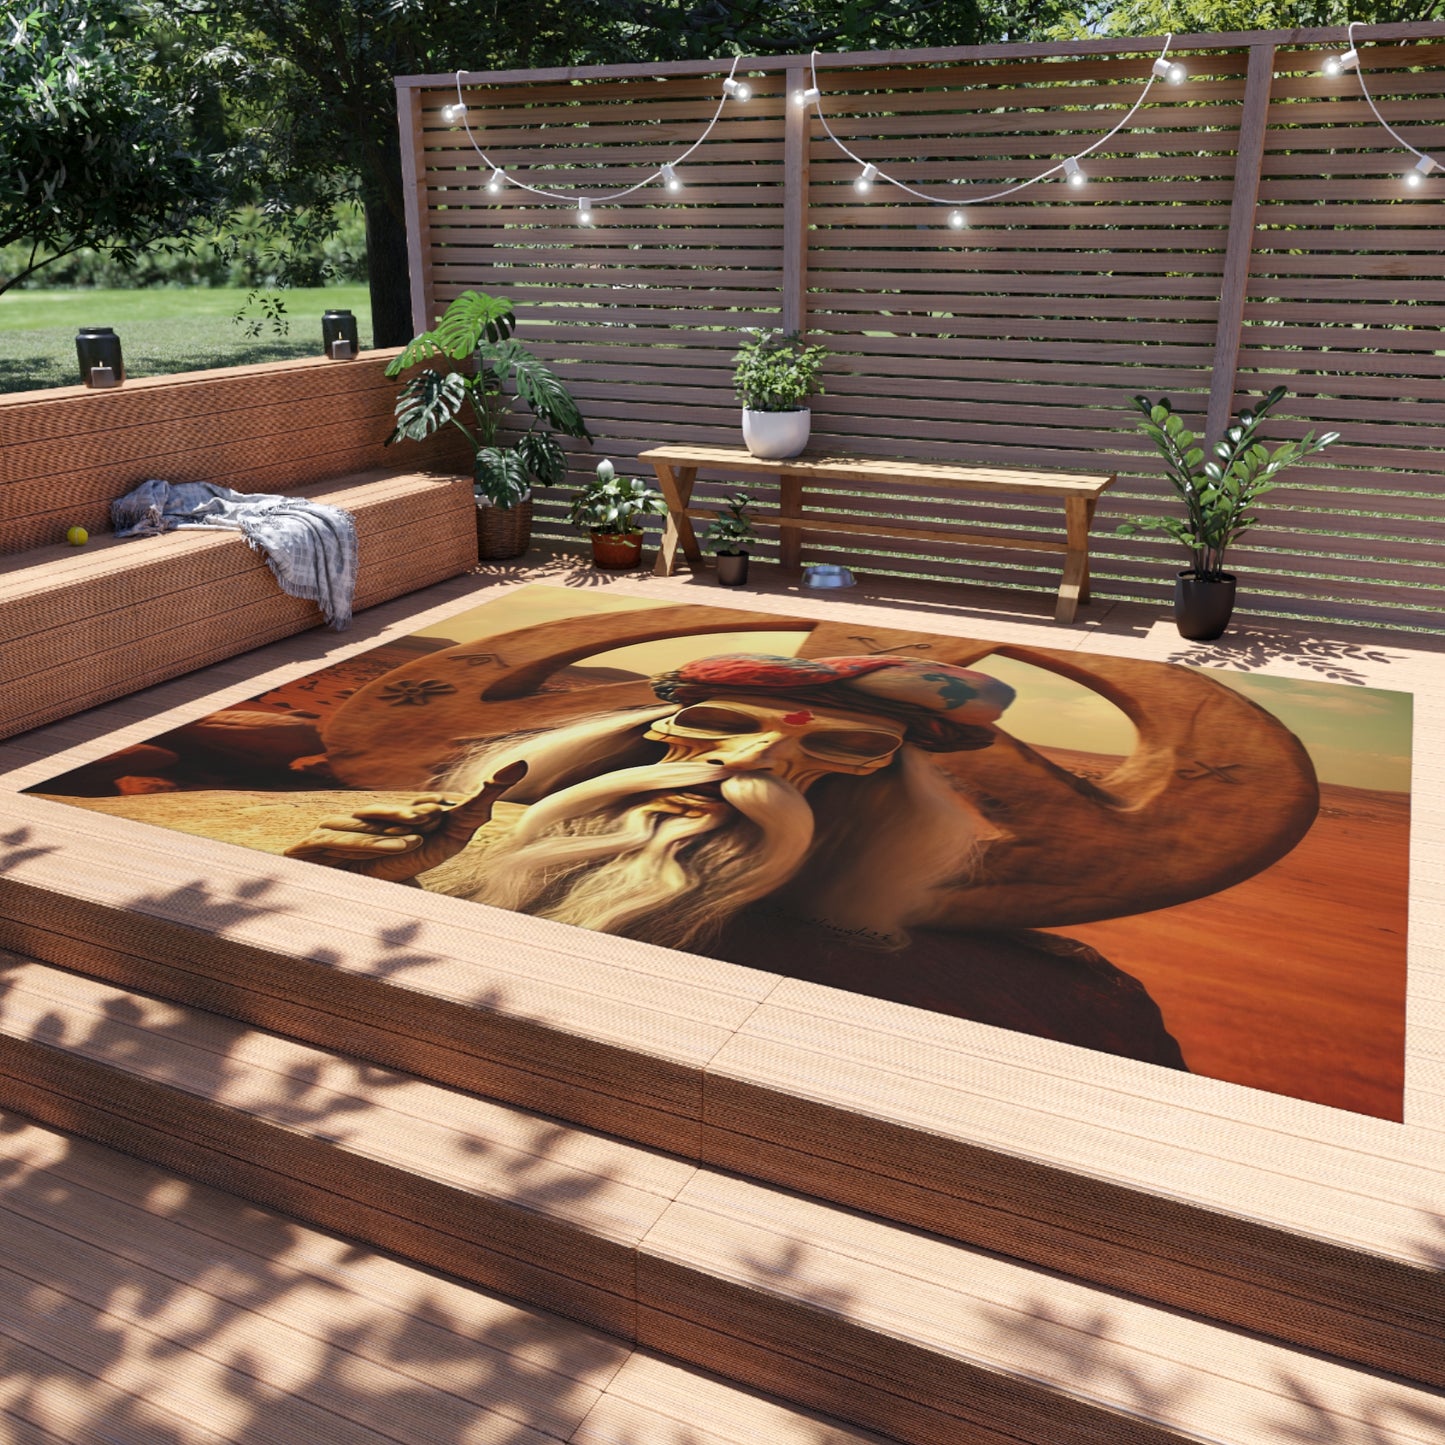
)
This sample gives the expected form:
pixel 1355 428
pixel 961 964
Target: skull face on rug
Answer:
pixel 781 776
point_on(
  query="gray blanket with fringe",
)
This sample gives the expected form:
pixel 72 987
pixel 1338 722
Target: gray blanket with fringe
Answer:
pixel 309 547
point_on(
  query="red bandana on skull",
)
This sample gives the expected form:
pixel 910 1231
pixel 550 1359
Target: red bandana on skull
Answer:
pixel 946 708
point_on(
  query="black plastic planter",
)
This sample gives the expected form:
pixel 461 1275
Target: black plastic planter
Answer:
pixel 1202 608
pixel 732 569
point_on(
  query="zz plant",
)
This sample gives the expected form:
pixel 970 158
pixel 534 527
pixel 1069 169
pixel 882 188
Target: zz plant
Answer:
pixel 1219 494
pixel 477 326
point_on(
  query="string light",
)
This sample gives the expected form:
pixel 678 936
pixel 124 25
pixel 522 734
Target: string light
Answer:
pixel 1336 65
pixel 1423 167
pixel 1161 69
pixel 666 173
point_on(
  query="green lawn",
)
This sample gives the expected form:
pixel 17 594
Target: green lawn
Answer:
pixel 161 330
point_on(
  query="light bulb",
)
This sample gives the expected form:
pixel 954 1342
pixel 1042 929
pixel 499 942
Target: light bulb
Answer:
pixel 1075 176
pixel 669 178
pixel 496 181
pixel 584 211
pixel 957 220
pixel 865 178
pixel 736 89
pixel 1177 74
pixel 454 112
pixel 806 97
pixel 1423 167
pixel 1170 70
pixel 1338 64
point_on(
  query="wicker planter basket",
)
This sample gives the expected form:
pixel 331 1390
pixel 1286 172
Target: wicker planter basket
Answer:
pixel 503 531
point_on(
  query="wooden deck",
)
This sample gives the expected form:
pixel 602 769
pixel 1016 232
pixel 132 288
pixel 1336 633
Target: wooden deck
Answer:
pixel 924 1227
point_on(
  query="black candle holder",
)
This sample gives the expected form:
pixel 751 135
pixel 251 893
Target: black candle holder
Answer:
pixel 98 350
pixel 339 337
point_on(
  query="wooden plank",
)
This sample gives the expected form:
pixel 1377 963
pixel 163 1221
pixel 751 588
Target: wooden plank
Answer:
pixel 795 205
pixel 414 202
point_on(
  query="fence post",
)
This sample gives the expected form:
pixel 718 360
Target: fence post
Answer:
pixel 1249 159
pixel 795 203
pixel 413 189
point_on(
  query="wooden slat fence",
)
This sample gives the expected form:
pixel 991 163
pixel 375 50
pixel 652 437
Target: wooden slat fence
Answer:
pixel 1248 227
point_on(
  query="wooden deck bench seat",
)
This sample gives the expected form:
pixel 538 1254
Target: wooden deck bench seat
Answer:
pixel 80 626
pixel 677 468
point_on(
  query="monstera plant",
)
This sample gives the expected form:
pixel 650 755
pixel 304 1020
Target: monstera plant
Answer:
pixel 507 464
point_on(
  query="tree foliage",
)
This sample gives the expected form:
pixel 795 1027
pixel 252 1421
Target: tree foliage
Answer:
pixel 97 148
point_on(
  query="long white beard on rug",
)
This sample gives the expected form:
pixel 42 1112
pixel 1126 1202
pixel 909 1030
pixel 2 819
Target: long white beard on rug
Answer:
pixel 596 856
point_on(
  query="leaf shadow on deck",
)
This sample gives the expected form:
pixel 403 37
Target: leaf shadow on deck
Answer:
pixel 140 1306
pixel 1095 1351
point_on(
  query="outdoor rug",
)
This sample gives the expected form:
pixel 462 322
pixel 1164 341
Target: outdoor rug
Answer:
pixel 1201 870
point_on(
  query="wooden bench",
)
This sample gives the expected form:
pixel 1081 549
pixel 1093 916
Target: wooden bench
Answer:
pixel 677 468
pixel 82 625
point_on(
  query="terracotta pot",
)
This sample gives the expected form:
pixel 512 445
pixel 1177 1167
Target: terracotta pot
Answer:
pixel 614 553
pixel 503 531
pixel 772 435
pixel 732 569
pixel 1202 607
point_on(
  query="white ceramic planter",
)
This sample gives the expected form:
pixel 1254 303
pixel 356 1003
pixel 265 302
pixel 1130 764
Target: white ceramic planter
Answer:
pixel 772 435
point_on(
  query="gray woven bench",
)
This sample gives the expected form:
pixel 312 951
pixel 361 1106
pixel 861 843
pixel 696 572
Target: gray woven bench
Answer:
pixel 82 625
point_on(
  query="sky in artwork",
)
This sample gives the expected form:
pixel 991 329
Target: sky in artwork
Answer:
pixel 1356 736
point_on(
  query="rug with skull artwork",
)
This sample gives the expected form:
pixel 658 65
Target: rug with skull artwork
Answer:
pixel 1204 871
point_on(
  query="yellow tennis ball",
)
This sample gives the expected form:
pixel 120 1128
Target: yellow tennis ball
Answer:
pixel 77 536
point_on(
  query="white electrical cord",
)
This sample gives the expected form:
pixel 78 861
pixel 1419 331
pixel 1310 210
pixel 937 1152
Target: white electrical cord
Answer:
pixel 1070 165
pixel 1335 65
pixel 732 89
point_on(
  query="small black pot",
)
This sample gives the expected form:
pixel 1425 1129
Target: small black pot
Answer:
pixel 1202 607
pixel 732 569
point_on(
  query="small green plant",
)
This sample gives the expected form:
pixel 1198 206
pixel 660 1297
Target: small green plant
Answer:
pixel 776 371
pixel 613 506
pixel 732 532
pixel 480 326
pixel 1219 494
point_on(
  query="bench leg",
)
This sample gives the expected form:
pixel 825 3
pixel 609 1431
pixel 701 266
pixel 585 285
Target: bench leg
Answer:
pixel 1074 587
pixel 676 489
pixel 790 539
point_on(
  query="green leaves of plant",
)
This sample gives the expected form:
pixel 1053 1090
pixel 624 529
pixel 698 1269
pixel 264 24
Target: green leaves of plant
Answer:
pixel 776 372
pixel 536 384
pixel 480 327
pixel 501 474
pixel 470 319
pixel 428 401
pixel 1217 493
pixel 614 506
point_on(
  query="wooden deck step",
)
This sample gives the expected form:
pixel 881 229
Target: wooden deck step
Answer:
pixel 138 1307
pixel 921 1118
pixel 921 1338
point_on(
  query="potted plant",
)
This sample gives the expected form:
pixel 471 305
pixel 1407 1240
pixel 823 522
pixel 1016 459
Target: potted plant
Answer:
pixel 728 537
pixel 611 508
pixel 775 374
pixel 480 327
pixel 1219 497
